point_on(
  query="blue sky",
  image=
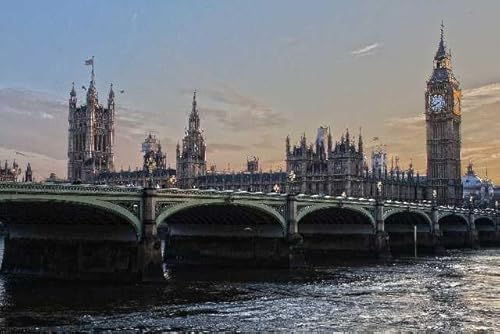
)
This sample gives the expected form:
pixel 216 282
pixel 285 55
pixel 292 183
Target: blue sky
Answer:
pixel 263 69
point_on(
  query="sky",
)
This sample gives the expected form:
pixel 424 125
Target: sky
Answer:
pixel 262 69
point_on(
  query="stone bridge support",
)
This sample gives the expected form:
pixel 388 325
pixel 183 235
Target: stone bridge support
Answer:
pixel 382 248
pixel 294 239
pixel 150 257
pixel 473 235
pixel 436 231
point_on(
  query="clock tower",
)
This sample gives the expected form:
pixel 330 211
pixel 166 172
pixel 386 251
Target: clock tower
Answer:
pixel 443 118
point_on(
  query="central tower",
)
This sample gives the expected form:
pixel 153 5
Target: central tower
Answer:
pixel 443 118
pixel 191 161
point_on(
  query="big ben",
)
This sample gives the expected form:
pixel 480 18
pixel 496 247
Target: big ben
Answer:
pixel 443 118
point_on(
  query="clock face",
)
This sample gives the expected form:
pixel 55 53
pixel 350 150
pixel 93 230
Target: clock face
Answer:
pixel 437 102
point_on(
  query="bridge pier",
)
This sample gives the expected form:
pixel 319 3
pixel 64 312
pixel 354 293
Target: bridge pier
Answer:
pixel 381 242
pixel 294 238
pixel 473 238
pixel 150 257
pixel 437 246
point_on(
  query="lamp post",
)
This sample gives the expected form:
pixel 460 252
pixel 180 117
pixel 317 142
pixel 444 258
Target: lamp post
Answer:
pixel 171 181
pixel 151 164
pixel 291 180
pixel 496 212
pixel 276 188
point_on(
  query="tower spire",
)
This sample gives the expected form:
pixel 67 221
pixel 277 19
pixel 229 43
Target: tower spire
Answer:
pixel 73 92
pixel 194 102
pixel 442 30
pixel 441 51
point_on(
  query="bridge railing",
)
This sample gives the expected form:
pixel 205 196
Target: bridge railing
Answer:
pixel 58 188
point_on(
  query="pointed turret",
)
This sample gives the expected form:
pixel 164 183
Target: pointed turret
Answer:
pixel 360 142
pixel 72 97
pixel 330 141
pixel 28 175
pixel 441 51
pixel 111 96
pixel 442 61
pixel 194 117
pixel 73 92
pixel 287 141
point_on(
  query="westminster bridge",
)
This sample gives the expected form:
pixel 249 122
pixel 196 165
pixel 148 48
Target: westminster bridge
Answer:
pixel 119 233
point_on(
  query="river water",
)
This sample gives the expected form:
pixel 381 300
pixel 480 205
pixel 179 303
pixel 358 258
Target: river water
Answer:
pixel 450 293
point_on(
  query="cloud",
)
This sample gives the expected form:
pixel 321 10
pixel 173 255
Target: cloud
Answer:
pixel 477 97
pixel 133 18
pixel 239 112
pixel 366 50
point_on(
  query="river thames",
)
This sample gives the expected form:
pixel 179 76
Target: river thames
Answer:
pixel 459 292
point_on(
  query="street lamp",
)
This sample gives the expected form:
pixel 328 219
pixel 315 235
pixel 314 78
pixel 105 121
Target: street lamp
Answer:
pixel 151 164
pixel 379 188
pixel 291 180
pixel 276 188
pixel 171 181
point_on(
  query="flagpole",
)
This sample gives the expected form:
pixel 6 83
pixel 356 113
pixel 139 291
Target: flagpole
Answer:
pixel 93 75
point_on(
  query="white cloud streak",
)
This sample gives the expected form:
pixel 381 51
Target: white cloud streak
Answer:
pixel 366 50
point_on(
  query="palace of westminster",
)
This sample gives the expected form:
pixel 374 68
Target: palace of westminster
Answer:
pixel 325 167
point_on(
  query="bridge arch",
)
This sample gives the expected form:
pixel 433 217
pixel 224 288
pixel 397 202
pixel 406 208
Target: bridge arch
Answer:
pixel 455 230
pixel 334 219
pixel 239 218
pixel 359 212
pixel 486 231
pixel 67 212
pixel 404 220
pixel 219 233
pixel 399 223
pixel 454 222
pixel 484 222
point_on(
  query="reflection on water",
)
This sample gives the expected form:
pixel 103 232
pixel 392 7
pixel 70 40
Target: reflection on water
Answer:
pixel 458 292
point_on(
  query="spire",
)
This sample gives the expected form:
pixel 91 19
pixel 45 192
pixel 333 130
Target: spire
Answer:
pixel 92 91
pixel 194 102
pixel 360 142
pixel 73 92
pixel 441 51
pixel 470 170
pixel 111 92
pixel 111 96
pixel 194 118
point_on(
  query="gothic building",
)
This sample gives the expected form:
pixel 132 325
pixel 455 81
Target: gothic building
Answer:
pixel 191 160
pixel 443 118
pixel 91 135
pixel 153 155
pixel 154 158
pixel 12 173
pixel 324 168
pixel 341 169
pixel 9 173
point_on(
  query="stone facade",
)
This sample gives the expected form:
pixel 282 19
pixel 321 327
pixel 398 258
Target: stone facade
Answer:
pixel 91 135
pixel 341 169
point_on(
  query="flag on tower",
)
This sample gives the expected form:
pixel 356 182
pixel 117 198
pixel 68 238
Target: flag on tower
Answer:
pixel 89 61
